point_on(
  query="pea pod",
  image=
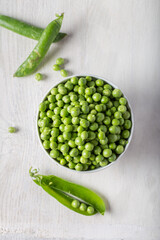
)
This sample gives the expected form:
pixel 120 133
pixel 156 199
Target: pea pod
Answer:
pixel 63 191
pixel 40 50
pixel 25 29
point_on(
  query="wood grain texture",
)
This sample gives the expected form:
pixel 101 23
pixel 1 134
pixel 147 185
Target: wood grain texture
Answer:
pixel 118 40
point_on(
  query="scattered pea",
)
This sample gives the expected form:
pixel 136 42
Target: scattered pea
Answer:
pixel 38 76
pixel 11 129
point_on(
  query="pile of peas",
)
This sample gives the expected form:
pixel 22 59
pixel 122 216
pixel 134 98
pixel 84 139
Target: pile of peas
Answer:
pixel 84 123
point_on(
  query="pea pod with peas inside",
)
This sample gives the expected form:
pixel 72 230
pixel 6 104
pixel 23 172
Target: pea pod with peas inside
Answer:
pixel 40 50
pixel 68 194
pixel 25 29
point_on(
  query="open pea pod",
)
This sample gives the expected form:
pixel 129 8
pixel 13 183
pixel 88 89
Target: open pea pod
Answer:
pixel 65 191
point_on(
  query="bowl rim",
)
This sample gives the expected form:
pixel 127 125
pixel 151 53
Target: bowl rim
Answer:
pixel 129 139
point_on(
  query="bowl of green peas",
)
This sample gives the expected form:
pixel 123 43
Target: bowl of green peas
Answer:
pixel 85 123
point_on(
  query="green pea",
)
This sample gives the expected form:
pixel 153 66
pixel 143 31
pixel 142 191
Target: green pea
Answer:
pixel 86 153
pixel 109 113
pixel 64 148
pixel 97 150
pixel 76 88
pixel 54 153
pixel 116 103
pixel 75 111
pixel 42 114
pixel 44 136
pixel 115 122
pixel 81 90
pixel 60 61
pixel 118 115
pixel 89 78
pixel 112 158
pixel 113 109
pixel 107 92
pixel 94 142
pixel 84 135
pixel 74 152
pixel 67 120
pixel 102 128
pixel 112 146
pixel 91 135
pixel 79 141
pixel 74 80
pixel 96 97
pixel 60 138
pixel 56 122
pixel 101 135
pixel 68 128
pixel 119 149
pixel 121 121
pixel 75 203
pixel 103 141
pixel 103 163
pixel 50 113
pixel 93 126
pixel 84 123
pixel 67 135
pixel 64 112
pixel 64 73
pixel 82 81
pixel 127 124
pixel 104 99
pixel 99 158
pixel 122 108
pixel 100 117
pixel 81 148
pixel 54 91
pixel 88 91
pixel 38 76
pixel 126 115
pixel 122 101
pixel 56 67
pixel 107 120
pixel 11 129
pixel 42 107
pixel 90 210
pixel 80 129
pixel 71 165
pixel 116 93
pixel 107 153
pixel 125 134
pixel 112 138
pixel 55 132
pixel 85 109
pixel 59 96
pixel 53 145
pixel 89 146
pixel 76 159
pixel 91 118
pixel 83 160
pixel 79 167
pixel 83 207
pixel 108 86
pixel 122 142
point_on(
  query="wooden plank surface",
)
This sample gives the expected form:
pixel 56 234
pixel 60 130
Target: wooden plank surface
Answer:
pixel 118 40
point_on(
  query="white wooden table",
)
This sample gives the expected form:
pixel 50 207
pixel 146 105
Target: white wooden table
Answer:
pixel 118 40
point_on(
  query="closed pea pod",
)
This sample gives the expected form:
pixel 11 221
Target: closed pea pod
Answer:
pixel 25 29
pixel 40 50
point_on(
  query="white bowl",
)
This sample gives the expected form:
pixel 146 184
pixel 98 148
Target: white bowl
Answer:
pixel 129 139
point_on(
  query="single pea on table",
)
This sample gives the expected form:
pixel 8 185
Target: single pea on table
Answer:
pixel 84 123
